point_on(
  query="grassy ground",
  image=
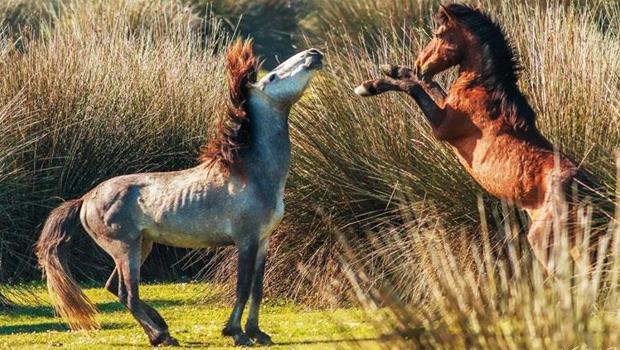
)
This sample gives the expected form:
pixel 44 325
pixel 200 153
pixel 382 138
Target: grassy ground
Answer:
pixel 194 323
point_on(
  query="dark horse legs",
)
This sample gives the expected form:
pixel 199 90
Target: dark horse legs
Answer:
pixel 251 327
pixel 250 272
pixel 245 272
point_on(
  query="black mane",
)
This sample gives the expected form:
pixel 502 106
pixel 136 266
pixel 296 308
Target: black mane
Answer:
pixel 500 69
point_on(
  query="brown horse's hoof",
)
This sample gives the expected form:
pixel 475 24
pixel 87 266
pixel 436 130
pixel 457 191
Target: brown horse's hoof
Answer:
pixel 390 70
pixel 365 89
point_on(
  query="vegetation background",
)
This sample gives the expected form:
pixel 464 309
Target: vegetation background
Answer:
pixel 91 89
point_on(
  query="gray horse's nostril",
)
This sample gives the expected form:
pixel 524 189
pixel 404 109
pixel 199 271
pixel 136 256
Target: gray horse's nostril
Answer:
pixel 315 52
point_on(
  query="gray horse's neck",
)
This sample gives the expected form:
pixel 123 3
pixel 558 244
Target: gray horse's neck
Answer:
pixel 267 158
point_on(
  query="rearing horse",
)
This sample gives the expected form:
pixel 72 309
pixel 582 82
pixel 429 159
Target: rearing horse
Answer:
pixel 484 117
pixel 235 196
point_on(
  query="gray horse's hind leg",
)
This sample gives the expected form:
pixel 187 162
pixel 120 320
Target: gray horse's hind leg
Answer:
pixel 128 268
pixel 113 286
pixel 251 327
pixel 245 273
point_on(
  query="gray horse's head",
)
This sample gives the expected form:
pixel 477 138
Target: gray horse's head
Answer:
pixel 284 85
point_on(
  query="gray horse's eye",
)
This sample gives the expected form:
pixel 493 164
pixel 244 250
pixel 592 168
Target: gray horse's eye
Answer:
pixel 272 77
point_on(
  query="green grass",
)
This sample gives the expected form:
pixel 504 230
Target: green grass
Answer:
pixel 194 322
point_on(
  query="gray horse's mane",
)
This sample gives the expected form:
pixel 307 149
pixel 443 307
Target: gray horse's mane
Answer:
pixel 233 127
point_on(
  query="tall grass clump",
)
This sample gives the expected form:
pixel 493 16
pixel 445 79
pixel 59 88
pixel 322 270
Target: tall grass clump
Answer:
pixel 114 87
pixel 484 300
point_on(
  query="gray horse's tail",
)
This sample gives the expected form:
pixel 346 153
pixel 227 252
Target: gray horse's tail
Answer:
pixel 51 249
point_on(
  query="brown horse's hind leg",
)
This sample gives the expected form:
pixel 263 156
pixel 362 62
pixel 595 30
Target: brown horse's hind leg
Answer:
pixel 128 269
pixel 539 234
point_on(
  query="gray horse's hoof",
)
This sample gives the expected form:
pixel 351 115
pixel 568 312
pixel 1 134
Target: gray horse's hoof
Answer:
pixel 165 340
pixel 170 342
pixel 259 336
pixel 242 340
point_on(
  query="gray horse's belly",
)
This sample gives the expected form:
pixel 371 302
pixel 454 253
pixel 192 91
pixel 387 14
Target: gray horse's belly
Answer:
pixel 188 239
pixel 193 229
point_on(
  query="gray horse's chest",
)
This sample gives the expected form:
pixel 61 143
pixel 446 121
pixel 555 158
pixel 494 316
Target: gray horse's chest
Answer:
pixel 274 218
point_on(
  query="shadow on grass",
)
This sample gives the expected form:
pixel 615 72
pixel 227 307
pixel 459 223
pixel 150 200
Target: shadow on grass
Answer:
pixel 115 306
pixel 48 311
pixel 190 344
pixel 106 307
pixel 49 326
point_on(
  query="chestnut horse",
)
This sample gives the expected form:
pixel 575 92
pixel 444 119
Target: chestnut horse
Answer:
pixel 234 197
pixel 485 118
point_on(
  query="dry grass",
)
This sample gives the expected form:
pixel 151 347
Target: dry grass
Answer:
pixel 490 298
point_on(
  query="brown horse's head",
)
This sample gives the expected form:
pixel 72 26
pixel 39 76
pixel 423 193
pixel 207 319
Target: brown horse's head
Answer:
pixel 468 37
pixel 446 49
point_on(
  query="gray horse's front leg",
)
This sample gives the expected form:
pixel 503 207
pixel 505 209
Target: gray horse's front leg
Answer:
pixel 245 273
pixel 251 327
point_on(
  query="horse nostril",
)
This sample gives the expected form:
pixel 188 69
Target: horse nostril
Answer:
pixel 315 52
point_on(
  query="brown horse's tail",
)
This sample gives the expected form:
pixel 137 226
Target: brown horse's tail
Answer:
pixel 51 249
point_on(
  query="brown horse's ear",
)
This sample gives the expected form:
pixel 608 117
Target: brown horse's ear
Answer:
pixel 443 15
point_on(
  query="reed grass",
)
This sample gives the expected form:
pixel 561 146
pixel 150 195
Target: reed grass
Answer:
pixel 489 296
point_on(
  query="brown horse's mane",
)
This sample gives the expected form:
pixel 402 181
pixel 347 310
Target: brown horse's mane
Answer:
pixel 500 68
pixel 233 127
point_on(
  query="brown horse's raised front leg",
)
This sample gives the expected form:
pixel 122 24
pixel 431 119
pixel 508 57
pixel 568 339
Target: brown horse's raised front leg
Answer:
pixel 432 111
pixel 431 87
pixel 379 86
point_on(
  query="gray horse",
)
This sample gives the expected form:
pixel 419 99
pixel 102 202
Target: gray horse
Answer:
pixel 235 196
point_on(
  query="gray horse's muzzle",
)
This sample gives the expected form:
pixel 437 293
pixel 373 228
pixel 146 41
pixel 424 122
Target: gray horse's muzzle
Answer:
pixel 314 59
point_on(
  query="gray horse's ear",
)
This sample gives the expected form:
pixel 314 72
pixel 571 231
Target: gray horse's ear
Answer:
pixel 250 87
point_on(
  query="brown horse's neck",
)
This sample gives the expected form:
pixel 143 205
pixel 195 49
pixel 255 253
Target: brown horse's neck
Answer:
pixel 507 108
pixel 474 66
